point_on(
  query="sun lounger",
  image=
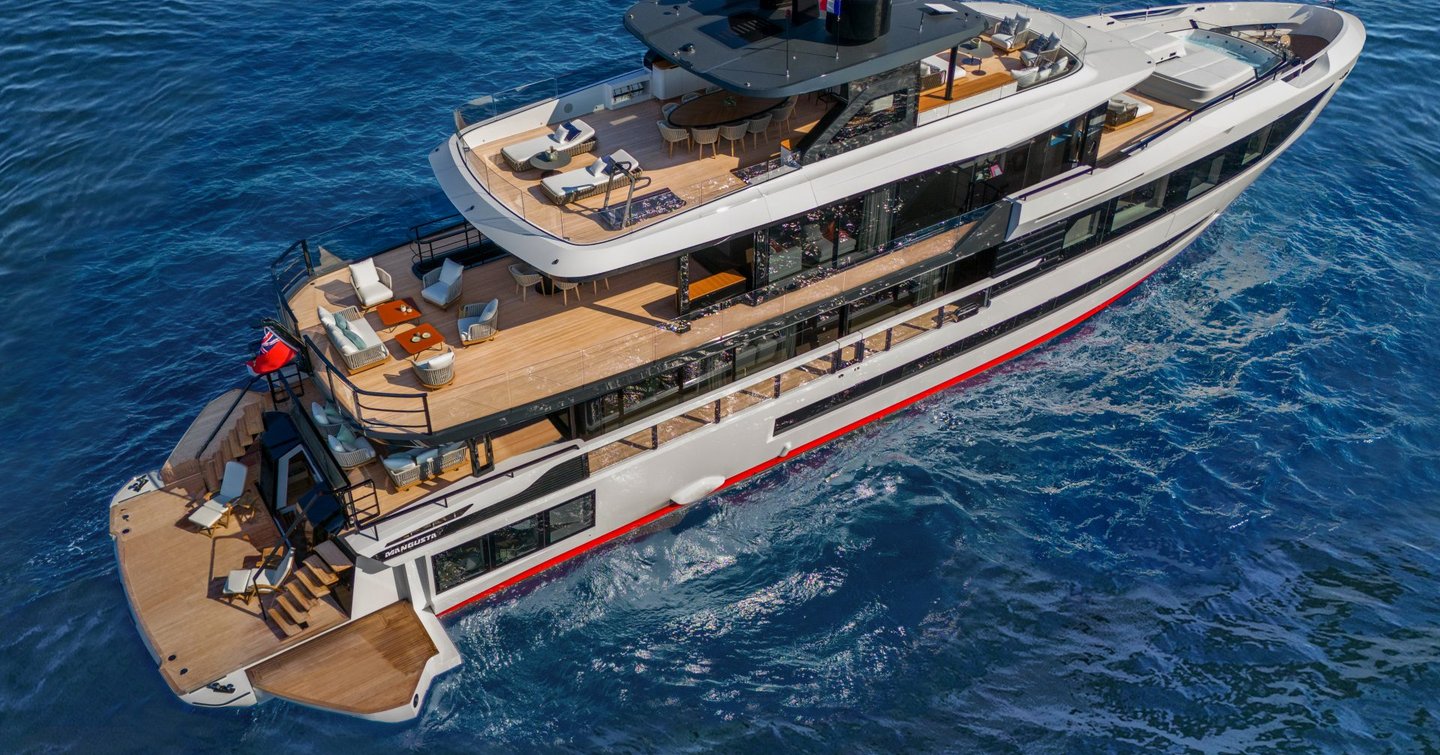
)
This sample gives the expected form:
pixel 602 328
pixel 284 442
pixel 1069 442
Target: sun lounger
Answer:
pixel 587 182
pixel 571 137
pixel 213 512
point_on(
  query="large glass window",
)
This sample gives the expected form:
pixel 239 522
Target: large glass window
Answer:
pixel 1137 205
pixel 1082 228
pixel 460 564
pixel 571 517
pixel 929 198
pixel 515 541
pixel 464 562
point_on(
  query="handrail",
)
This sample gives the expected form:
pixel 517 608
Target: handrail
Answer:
pixel 244 389
pixel 357 391
pixel 445 498
pixel 1050 183
pixel 1245 88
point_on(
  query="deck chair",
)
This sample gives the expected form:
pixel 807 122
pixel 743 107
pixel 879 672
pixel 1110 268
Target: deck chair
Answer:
pixel 215 511
pixel 246 583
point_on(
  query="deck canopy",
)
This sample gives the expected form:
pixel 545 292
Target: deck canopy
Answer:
pixel 754 47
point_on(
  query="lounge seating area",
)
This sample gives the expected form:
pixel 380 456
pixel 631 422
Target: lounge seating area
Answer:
pixel 409 468
pixel 568 138
pixel 568 203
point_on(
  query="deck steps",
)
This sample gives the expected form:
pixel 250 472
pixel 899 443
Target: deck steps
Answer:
pixel 278 619
pixel 237 434
pixel 320 570
pixel 298 614
pixel 315 587
pixel 333 556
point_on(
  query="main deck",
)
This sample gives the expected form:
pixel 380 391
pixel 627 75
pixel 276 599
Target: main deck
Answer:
pixel 174 574
pixel 546 346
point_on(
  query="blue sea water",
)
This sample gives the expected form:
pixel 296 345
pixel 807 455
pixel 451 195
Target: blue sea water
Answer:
pixel 1208 520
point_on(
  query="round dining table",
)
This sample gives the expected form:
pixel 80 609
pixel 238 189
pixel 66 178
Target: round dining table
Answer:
pixel 720 108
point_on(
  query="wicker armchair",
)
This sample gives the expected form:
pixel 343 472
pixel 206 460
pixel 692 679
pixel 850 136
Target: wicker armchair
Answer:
pixel 479 322
pixel 434 370
pixel 525 277
pixel 372 284
pixel 402 470
pixel 452 456
pixel 350 450
pixel 442 285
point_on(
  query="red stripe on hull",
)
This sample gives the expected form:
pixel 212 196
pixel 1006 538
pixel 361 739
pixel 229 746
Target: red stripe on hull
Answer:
pixel 648 518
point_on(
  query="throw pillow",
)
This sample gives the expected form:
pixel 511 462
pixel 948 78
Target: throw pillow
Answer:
pixel 450 272
pixel 335 445
pixel 346 435
pixel 357 340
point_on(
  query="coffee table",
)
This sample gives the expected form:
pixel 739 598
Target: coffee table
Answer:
pixel 415 347
pixel 549 162
pixel 390 314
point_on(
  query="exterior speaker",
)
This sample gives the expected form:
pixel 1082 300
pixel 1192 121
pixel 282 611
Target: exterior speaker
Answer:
pixel 860 21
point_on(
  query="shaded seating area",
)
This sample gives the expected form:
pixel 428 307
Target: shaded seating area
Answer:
pixel 570 137
pixel 215 511
pixel 618 168
pixel 350 450
pixel 408 468
pixel 359 346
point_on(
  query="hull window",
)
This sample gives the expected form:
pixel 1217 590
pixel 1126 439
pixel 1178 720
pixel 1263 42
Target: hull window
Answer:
pixel 464 562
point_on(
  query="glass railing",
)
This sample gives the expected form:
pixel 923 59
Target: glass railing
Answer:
pixel 514 99
pixel 1064 60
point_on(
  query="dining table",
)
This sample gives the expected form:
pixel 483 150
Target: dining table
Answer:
pixel 720 108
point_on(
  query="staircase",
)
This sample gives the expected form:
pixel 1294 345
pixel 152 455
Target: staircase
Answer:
pixel 313 579
pixel 199 468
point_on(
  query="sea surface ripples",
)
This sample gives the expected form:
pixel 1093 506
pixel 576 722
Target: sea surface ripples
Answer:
pixel 1206 520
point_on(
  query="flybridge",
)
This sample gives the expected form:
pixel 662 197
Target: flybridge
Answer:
pixel 770 49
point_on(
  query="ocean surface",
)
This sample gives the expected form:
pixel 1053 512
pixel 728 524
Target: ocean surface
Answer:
pixel 1208 520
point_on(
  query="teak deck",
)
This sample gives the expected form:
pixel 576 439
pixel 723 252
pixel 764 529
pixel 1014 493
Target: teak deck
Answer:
pixel 694 179
pixel 173 575
pixel 371 665
pixel 545 348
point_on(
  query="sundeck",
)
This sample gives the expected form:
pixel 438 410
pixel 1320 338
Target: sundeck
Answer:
pixel 636 290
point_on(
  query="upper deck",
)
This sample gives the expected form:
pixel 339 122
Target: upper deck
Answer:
pixel 680 192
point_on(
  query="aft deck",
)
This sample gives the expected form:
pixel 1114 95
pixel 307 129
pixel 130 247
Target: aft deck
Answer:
pixel 690 177
pixel 545 347
pixel 174 574
pixel 370 666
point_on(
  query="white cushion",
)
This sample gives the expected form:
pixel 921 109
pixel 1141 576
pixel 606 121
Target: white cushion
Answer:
pixel 335 444
pixel 428 459
pixel 357 340
pixel 560 133
pixel 239 581
pixel 440 362
pixel 436 293
pixel 207 515
pixel 489 310
pixel 326 317
pixel 398 462
pixel 450 272
pixel 319 414
pixel 598 167
pixel 373 293
pixel 363 273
